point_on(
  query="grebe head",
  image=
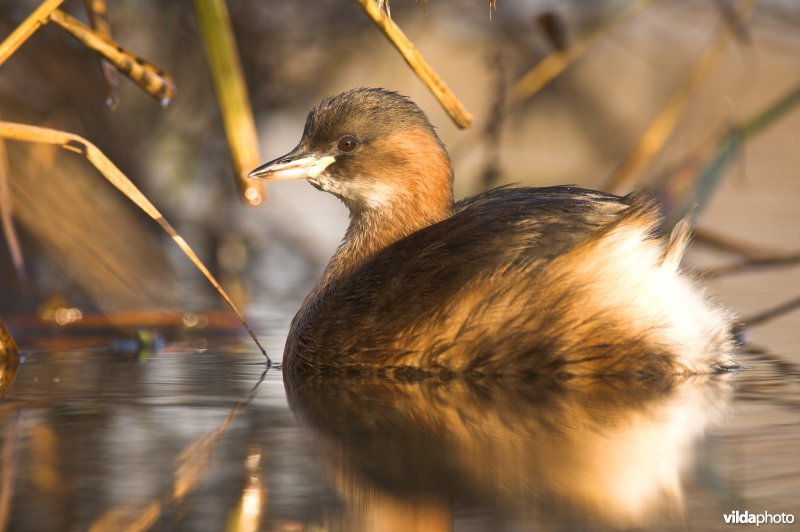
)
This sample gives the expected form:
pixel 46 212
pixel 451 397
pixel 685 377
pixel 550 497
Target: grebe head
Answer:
pixel 376 151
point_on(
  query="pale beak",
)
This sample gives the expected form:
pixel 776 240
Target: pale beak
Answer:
pixel 297 164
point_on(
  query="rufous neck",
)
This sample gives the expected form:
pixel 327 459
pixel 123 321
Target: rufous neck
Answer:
pixel 372 231
pixel 404 184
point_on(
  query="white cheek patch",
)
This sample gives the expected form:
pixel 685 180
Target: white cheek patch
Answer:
pixel 320 166
pixel 374 194
pixel 366 194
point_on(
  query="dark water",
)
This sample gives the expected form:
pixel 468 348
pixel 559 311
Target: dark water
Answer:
pixel 190 439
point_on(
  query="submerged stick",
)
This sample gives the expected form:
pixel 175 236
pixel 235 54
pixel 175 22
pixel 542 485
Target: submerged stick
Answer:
pixel 114 175
pixel 454 108
pixel 234 102
pixel 22 33
pixel 148 77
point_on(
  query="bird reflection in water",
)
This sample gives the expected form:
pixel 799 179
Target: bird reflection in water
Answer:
pixel 604 452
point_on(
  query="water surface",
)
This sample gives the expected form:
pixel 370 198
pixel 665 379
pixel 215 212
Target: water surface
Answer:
pixel 203 439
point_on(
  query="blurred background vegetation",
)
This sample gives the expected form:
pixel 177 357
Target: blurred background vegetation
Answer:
pixel 694 99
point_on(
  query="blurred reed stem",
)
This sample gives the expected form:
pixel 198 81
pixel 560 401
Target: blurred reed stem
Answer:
pixel 454 108
pixel 729 147
pixel 6 216
pixel 234 103
pixel 98 18
pixel 730 245
pixel 663 126
pixel 776 260
pixel 764 119
pixel 554 64
pixel 558 61
pixel 771 313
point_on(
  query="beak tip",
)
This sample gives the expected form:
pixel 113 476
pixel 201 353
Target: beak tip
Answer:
pixel 257 172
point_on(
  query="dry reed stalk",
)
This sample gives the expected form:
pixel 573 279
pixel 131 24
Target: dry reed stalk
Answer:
pixel 6 216
pixel 234 103
pixel 558 61
pixel 98 18
pixel 149 78
pixel 454 108
pixel 27 28
pixel 78 144
pixel 661 129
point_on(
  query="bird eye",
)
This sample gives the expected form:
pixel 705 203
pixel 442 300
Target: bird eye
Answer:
pixel 347 143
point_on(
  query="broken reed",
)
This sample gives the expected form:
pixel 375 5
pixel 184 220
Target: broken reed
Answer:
pixel 78 144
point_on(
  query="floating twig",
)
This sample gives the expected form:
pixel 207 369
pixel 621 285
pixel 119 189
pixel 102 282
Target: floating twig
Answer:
pixel 234 102
pixel 114 175
pixel 28 27
pixel 454 108
pixel 660 130
pixel 149 78
pixel 98 18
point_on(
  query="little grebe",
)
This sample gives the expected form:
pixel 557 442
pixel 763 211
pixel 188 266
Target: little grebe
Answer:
pixel 513 281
